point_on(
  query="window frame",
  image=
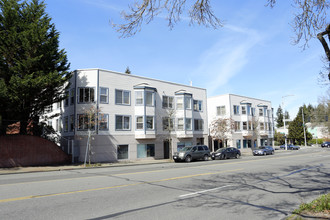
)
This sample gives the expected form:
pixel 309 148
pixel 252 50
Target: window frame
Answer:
pixel 104 95
pixel 123 92
pixel 91 99
pixel 221 110
pixel 123 123
pixel 101 116
pixel 166 102
pixel 139 122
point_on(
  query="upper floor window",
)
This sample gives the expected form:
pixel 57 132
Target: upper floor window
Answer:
pixel 187 102
pixel 243 110
pixel 123 122
pixel 198 105
pixel 66 100
pixel 104 95
pixel 236 110
pixel 179 103
pixel 180 124
pixel 86 95
pixel 86 122
pixel 250 125
pixel 144 97
pixel 149 98
pixel 265 112
pixel 71 128
pixel 139 122
pixel 262 126
pixel 72 97
pixel 253 111
pixel 66 124
pixel 198 124
pixel 150 122
pixel 244 125
pixel 104 122
pixel 168 124
pixel 123 97
pixel 167 101
pixel 139 97
pixel 221 110
pixel 248 110
pixel 237 125
pixel 261 112
pixel 188 124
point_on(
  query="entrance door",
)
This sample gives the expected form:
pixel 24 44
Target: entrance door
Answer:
pixel 166 149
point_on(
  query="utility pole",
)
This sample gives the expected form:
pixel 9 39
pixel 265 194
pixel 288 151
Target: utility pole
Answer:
pixel 303 118
pixel 285 135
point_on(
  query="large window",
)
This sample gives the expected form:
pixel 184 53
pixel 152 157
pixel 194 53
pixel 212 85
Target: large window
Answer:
pixel 180 124
pixel 253 111
pixel 262 126
pixel 198 105
pixel 72 97
pixel 104 95
pixel 238 144
pixel 198 124
pixel 86 95
pixel 123 97
pixel 149 98
pixel 122 122
pixel 188 124
pixel 250 125
pixel 167 102
pixel 104 122
pixel 168 124
pixel 71 128
pixel 221 110
pixel 244 125
pixel 236 109
pixel 150 122
pixel 122 152
pixel 261 112
pixel 243 110
pixel 86 122
pixel 139 97
pixel 187 102
pixel 179 103
pixel 145 150
pixel 237 125
pixel 139 122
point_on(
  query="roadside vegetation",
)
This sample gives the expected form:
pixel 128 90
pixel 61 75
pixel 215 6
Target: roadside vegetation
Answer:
pixel 318 208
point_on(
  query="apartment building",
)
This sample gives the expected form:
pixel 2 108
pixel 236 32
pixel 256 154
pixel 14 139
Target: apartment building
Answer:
pixel 132 117
pixel 251 121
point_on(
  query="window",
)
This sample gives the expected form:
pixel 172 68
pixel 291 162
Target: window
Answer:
pixel 237 125
pixel 180 123
pixel 66 124
pixel 122 122
pixel 248 110
pixel 139 98
pixel 243 110
pixel 221 110
pixel 86 95
pixel 145 150
pixel 253 111
pixel 236 110
pixel 104 95
pixel 188 124
pixel 150 122
pixel 198 105
pixel 49 123
pixel 85 122
pixel 265 112
pixel 262 126
pixel 167 102
pixel 250 125
pixel 103 122
pixel 66 100
pixel 122 152
pixel 198 124
pixel 187 102
pixel 269 126
pixel 179 103
pixel 244 125
pixel 149 98
pixel 71 128
pixel 139 122
pixel 71 96
pixel 123 97
pixel 168 124
pixel 261 113
pixel 238 144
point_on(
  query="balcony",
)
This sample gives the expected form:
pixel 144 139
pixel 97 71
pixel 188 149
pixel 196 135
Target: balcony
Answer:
pixel 184 134
pixel 145 135
pixel 247 134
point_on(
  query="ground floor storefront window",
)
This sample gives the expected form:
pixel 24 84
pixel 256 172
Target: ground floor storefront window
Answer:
pixel 181 145
pixel 122 152
pixel 145 150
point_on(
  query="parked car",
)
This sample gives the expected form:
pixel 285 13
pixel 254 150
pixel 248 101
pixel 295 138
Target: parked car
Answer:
pixel 264 150
pixel 325 144
pixel 188 154
pixel 290 147
pixel 224 153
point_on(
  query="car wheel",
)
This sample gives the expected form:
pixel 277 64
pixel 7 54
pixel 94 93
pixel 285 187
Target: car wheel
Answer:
pixel 238 156
pixel 188 159
pixel 206 157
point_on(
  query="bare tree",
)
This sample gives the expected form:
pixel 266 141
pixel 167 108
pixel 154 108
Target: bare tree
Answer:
pixel 222 128
pixel 145 10
pixel 168 127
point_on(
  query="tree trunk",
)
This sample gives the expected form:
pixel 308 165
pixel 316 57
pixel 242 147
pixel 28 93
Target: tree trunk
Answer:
pixel 324 43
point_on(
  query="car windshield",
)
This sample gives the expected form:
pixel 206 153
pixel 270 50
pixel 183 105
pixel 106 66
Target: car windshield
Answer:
pixel 185 149
pixel 220 150
pixel 262 147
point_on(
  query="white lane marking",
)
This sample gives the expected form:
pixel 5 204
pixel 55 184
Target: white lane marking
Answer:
pixel 204 191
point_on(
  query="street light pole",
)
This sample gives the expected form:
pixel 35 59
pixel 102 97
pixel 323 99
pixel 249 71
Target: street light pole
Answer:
pixel 286 144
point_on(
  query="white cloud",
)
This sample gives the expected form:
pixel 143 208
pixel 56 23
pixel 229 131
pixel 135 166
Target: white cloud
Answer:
pixel 227 57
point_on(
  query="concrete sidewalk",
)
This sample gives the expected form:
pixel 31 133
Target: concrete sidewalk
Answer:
pixel 16 170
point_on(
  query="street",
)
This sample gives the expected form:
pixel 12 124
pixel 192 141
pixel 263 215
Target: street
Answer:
pixel 260 187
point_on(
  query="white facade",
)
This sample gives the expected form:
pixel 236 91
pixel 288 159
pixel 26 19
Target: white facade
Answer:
pixel 252 120
pixel 137 117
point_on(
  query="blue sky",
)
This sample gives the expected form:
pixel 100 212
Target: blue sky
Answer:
pixel 252 55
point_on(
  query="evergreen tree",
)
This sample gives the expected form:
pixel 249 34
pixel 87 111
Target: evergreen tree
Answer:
pixel 296 129
pixel 33 70
pixel 127 71
pixel 279 117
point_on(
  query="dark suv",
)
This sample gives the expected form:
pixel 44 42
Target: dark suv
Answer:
pixel 192 153
pixel 325 144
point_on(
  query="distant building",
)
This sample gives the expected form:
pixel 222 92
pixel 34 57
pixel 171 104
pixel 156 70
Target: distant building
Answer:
pixel 318 131
pixel 136 117
pixel 253 121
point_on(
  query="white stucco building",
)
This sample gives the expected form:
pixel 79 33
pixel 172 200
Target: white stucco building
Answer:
pixel 136 117
pixel 252 121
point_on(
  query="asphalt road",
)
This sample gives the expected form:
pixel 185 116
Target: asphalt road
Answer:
pixel 263 187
